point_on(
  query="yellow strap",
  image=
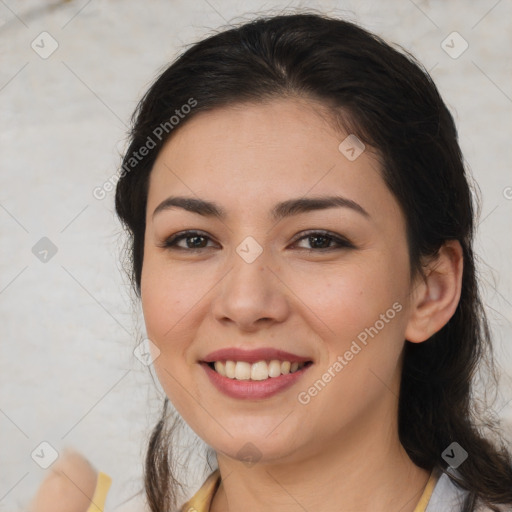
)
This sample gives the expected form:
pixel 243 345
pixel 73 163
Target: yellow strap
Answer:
pixel 202 499
pixel 100 493
pixel 427 493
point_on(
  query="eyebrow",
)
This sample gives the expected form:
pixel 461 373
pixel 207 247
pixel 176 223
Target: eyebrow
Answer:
pixel 281 210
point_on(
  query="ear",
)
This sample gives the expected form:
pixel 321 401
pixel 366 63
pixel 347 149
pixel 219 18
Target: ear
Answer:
pixel 436 296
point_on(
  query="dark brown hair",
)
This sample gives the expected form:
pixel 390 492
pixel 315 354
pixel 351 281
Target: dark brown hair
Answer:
pixel 385 97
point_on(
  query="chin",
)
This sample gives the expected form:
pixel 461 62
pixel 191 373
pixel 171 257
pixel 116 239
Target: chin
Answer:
pixel 257 449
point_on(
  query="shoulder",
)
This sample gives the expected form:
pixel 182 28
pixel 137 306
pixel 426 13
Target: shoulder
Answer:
pixel 447 496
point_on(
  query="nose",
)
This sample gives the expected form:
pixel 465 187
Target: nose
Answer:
pixel 251 296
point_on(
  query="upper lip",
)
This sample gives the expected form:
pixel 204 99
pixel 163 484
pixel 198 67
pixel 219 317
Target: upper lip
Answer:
pixel 253 356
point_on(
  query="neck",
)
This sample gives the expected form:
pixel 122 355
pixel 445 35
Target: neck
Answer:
pixel 364 467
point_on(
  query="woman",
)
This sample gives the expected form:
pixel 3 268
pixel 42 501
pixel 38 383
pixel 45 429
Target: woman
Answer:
pixel 274 117
pixel 301 232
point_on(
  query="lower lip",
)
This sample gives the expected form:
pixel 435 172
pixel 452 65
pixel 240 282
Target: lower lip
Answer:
pixel 253 389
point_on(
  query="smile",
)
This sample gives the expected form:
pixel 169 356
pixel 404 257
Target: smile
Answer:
pixel 249 389
pixel 261 370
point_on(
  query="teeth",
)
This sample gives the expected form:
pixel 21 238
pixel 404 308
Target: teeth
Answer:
pixel 220 367
pixel 241 370
pixel 274 368
pixel 259 371
pixel 230 369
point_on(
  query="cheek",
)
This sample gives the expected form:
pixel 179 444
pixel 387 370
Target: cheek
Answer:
pixel 167 300
pixel 173 298
pixel 359 313
pixel 347 299
pixel 163 297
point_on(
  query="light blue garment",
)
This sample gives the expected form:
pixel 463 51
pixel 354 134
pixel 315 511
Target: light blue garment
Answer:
pixel 448 497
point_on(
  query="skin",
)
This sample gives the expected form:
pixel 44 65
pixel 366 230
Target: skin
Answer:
pixel 68 487
pixel 247 158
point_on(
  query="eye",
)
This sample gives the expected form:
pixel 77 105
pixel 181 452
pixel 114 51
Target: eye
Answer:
pixel 321 241
pixel 194 241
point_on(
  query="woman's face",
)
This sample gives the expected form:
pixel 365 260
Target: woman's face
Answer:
pixel 251 280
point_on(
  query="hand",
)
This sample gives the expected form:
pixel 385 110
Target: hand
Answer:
pixel 69 486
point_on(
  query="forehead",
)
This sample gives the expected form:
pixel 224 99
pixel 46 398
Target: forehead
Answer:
pixel 257 153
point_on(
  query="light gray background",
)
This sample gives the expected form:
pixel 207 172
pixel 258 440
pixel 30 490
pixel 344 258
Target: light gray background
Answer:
pixel 68 328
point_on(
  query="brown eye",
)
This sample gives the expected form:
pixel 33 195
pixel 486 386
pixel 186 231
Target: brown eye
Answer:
pixel 321 241
pixel 194 241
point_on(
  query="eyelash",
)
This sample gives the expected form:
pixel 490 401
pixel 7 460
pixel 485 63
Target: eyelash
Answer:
pixel 342 242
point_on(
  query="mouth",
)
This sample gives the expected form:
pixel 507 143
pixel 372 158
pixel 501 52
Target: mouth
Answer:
pixel 254 374
pixel 257 371
pixel 259 380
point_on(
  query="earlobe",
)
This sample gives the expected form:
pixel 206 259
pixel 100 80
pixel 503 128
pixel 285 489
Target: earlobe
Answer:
pixel 437 295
